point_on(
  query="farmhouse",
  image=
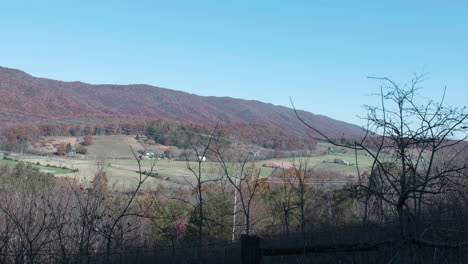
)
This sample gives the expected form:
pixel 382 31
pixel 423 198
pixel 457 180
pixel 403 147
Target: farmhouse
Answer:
pixel 254 153
pixel 148 155
pixel 342 162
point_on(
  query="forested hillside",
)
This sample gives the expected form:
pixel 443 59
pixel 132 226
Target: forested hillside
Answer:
pixel 26 100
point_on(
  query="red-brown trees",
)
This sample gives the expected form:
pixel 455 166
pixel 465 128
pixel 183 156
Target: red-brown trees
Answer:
pixel 88 140
pixel 62 149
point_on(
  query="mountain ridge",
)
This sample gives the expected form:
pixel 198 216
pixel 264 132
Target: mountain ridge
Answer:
pixel 25 98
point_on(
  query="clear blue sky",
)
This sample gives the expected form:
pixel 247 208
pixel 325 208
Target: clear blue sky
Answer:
pixel 317 52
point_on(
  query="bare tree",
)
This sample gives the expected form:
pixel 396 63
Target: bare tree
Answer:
pixel 282 198
pixel 167 215
pixel 200 145
pixel 29 227
pixel 89 217
pixel 111 230
pixel 299 177
pixel 246 180
pixel 405 136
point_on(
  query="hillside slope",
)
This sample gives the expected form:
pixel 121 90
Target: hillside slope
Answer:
pixel 25 99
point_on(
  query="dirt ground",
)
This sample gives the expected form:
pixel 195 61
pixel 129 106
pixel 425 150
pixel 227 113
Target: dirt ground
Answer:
pixel 114 146
pixel 49 144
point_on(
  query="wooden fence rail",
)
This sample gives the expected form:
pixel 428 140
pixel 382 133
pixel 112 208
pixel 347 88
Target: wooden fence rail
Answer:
pixel 252 252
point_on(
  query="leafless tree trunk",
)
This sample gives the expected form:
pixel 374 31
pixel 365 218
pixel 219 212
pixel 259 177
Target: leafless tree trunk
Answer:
pixel 109 231
pixel 405 136
pixel 200 145
pixel 245 178
pixel 284 199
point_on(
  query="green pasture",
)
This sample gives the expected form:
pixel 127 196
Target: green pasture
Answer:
pixel 122 178
pixel 179 169
pixel 123 173
pixel 42 168
pixel 326 162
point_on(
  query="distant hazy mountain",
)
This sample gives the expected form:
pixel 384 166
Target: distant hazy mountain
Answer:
pixel 25 99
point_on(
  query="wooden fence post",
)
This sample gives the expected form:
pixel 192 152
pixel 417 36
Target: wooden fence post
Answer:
pixel 250 252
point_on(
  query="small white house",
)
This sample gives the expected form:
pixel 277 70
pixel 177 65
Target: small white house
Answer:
pixel 201 158
pixel 148 155
pixel 343 162
pixel 254 153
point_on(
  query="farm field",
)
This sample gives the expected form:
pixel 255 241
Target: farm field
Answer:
pixel 122 172
pixel 122 178
pixel 113 146
pixel 42 168
pixel 326 162
pixel 179 168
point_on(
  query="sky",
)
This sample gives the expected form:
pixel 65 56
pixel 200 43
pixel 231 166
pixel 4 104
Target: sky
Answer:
pixel 318 53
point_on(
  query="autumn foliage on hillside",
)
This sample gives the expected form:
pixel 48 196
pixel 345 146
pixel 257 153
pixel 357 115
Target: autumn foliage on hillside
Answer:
pixel 26 100
pixel 161 131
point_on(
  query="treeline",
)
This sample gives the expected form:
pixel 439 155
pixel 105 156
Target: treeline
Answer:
pixel 83 222
pixel 59 220
pixel 161 131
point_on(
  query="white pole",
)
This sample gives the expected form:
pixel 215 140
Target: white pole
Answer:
pixel 234 215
